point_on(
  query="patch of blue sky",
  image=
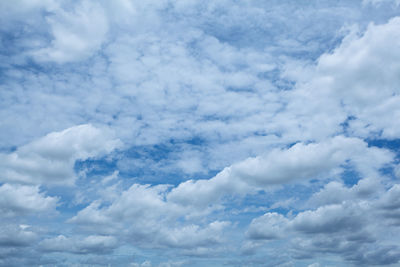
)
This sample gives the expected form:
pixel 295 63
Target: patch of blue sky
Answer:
pixel 68 206
pixel 8 149
pixel 275 77
pixel 382 12
pixel 156 164
pixel 350 176
pixel 287 200
pixel 97 166
pixel 346 124
pixel 393 144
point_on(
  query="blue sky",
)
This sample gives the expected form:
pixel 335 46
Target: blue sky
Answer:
pixel 199 133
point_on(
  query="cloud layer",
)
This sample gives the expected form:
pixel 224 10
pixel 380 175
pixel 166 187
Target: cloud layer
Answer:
pixel 199 133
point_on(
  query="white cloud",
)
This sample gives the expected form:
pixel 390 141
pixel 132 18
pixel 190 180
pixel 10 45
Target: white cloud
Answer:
pixel 207 192
pixel 51 159
pixel 141 215
pixel 358 79
pixel 314 160
pixel 77 33
pixel 337 193
pixel 269 226
pixel 298 163
pixel 17 200
pixel 193 236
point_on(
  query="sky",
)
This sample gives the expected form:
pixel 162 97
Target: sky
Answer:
pixel 200 133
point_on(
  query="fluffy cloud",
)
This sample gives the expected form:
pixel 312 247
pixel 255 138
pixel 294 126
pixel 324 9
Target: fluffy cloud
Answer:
pixel 142 216
pixel 352 228
pixel 205 192
pixel 17 200
pixel 269 226
pixel 336 192
pixel 50 160
pixel 306 161
pixel 358 79
pixel 279 166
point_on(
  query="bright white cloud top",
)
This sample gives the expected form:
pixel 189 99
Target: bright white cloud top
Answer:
pixel 199 133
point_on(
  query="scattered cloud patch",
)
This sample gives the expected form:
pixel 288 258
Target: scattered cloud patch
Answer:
pixel 50 160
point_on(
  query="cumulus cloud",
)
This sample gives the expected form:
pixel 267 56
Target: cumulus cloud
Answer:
pixel 279 166
pixel 269 226
pixel 306 161
pixel 336 192
pixel 50 159
pixel 142 216
pixel 358 78
pixel 352 229
pixel 205 192
pixel 17 200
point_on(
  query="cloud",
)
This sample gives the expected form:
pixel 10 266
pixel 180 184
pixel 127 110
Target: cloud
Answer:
pixel 142 216
pixel 151 209
pixel 307 161
pixel 50 159
pixel 353 229
pixel 86 245
pixel 16 236
pixel 389 205
pixel 358 79
pixel 76 34
pixel 298 163
pixel 227 110
pixel 193 236
pixel 336 192
pixel 205 192
pixel 18 200
pixel 269 226
pixel 20 8
pixel 328 219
